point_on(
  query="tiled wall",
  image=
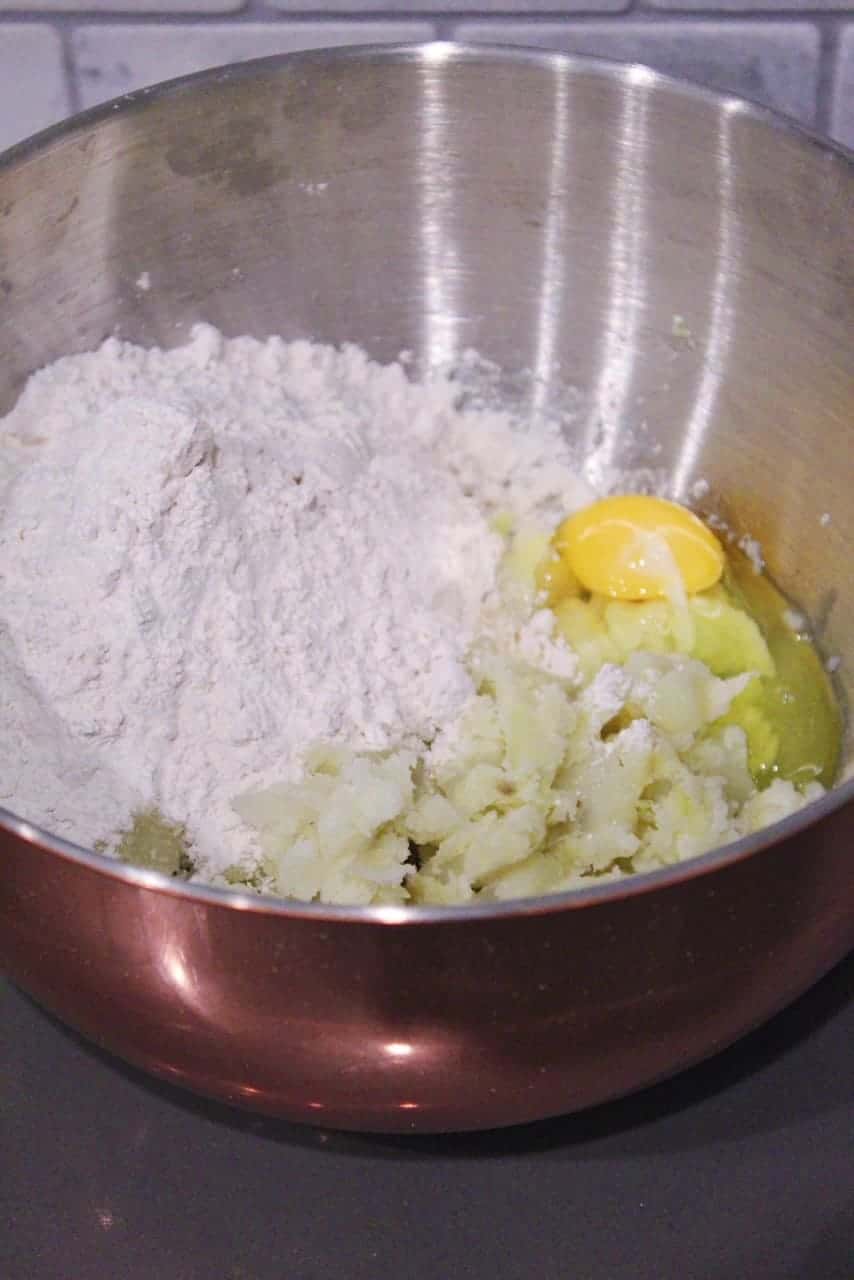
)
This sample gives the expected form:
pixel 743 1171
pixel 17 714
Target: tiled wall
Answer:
pixel 61 55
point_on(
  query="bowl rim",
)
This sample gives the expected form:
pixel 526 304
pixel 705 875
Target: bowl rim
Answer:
pixel 426 52
pixel 637 885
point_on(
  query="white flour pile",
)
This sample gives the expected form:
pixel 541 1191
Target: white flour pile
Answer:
pixel 214 556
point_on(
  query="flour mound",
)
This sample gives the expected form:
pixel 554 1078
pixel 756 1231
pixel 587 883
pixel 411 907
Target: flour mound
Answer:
pixel 212 557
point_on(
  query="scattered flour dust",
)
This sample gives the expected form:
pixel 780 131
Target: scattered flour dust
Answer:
pixel 214 556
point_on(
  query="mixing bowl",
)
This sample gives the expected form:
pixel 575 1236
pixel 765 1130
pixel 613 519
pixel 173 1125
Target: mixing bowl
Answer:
pixel 686 261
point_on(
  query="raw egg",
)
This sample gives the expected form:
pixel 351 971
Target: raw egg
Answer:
pixel 635 547
pixel 555 580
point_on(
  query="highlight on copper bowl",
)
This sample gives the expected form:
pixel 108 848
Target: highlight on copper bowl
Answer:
pixel 422 543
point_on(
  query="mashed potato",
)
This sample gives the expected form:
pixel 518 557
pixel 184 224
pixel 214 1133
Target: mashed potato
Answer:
pixel 556 775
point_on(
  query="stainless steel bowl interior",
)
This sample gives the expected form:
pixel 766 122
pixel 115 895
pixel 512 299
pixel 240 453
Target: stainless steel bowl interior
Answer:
pixel 685 260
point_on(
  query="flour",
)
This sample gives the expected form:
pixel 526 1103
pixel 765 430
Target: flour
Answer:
pixel 606 694
pixel 214 556
pixel 537 643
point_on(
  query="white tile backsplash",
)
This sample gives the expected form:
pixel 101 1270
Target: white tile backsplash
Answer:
pixel 59 55
pixel 110 60
pixel 33 88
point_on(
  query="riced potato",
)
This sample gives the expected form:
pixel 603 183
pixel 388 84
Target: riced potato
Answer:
pixel 544 783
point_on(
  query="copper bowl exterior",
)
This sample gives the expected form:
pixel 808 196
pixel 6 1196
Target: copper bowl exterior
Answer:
pixel 556 214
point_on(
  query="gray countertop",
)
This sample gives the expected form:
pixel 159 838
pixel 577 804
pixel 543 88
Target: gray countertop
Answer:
pixel 739 1169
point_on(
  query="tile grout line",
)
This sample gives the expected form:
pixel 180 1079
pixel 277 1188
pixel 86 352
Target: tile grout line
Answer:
pixel 828 69
pixel 69 68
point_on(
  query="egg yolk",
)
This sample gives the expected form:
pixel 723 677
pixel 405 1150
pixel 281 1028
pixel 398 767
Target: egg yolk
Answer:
pixel 636 547
pixel 555 580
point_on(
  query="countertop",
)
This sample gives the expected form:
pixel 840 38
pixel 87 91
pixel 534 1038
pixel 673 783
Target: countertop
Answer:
pixel 742 1168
